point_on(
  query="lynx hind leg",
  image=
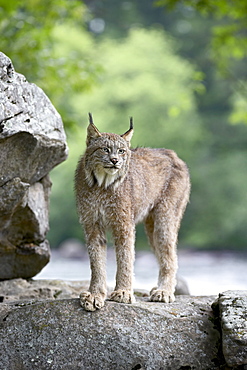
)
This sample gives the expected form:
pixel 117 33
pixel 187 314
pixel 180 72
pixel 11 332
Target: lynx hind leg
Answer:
pixel 162 228
pixel 164 246
pixel 165 239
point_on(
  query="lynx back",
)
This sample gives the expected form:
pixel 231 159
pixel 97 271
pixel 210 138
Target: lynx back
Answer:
pixel 116 187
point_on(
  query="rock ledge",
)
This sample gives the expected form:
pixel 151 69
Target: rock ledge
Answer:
pixel 50 333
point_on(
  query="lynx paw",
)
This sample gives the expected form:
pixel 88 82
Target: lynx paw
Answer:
pixel 92 302
pixel 122 296
pixel 161 295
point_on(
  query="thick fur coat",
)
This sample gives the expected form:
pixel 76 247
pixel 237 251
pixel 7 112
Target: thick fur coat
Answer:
pixel 117 187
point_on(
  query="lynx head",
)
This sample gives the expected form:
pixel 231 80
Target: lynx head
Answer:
pixel 107 156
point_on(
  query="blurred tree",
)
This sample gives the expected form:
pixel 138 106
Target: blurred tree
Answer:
pixel 229 33
pixel 139 73
pixel 142 77
pixel 223 147
pixel 32 33
pixel 228 43
pixel 193 31
pixel 63 217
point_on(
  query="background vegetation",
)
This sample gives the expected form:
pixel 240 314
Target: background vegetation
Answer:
pixel 177 67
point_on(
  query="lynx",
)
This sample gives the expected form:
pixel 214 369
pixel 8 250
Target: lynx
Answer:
pixel 116 187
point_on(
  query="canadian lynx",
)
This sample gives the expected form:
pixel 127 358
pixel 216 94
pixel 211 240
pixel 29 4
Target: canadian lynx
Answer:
pixel 117 187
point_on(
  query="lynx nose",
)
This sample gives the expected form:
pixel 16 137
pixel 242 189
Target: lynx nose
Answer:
pixel 114 160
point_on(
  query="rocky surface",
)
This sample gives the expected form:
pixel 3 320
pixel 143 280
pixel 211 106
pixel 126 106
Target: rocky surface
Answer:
pixel 61 335
pixel 43 326
pixel 32 142
pixel 22 289
pixel 233 314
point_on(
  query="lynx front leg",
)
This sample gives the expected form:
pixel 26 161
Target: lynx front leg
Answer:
pixel 124 243
pixel 95 297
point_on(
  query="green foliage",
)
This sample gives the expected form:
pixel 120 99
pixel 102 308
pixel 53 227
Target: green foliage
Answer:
pixel 228 43
pixel 33 35
pixel 239 112
pixel 63 217
pixel 221 211
pixel 143 78
pixel 135 69
pixel 75 69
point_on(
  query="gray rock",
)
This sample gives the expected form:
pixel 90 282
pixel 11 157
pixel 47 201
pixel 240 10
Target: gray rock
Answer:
pixel 32 138
pixel 183 335
pixel 21 289
pixel 24 224
pixel 32 142
pixel 11 196
pixel 24 211
pixel 26 260
pixel 59 334
pixel 233 314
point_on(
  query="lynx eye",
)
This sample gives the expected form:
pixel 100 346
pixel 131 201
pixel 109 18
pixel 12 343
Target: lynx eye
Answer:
pixel 121 151
pixel 106 150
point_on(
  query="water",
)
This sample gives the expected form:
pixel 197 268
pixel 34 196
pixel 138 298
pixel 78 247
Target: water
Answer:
pixel 207 273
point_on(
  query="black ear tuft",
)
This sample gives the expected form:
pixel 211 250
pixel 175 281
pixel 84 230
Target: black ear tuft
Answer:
pixel 131 123
pixel 90 118
pixel 92 131
pixel 128 134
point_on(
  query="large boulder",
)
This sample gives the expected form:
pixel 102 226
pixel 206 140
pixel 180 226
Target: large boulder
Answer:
pixel 43 326
pixel 59 334
pixel 32 142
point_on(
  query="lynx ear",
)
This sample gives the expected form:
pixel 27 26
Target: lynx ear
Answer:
pixel 92 131
pixel 128 134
